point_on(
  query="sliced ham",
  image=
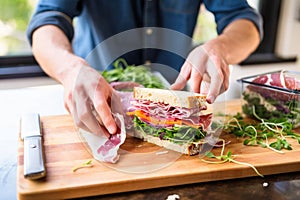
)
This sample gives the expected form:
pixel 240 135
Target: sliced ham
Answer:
pixel 161 110
pixel 124 85
pixel 108 152
pixel 280 80
pixel 277 79
pixel 261 79
pixel 161 115
pixel 106 149
pixel 292 84
pixel 202 120
pixel 125 98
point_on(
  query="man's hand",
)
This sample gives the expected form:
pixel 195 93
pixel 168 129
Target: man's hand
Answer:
pixel 207 71
pixel 89 98
pixel 209 63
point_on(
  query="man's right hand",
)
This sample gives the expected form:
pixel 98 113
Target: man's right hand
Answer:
pixel 88 97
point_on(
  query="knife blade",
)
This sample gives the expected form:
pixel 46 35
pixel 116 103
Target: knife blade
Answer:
pixel 34 167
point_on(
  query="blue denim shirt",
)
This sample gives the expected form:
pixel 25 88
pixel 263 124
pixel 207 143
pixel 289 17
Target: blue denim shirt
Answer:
pixel 97 21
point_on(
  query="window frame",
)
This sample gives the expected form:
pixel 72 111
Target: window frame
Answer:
pixel 265 53
pixel 19 66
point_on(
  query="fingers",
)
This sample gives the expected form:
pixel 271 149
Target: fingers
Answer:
pixel 219 74
pixel 206 72
pixel 90 120
pixel 90 124
pixel 90 91
pixel 198 70
pixel 182 77
pixel 102 98
pixel 196 79
pixel 79 123
pixel 83 116
pixel 104 112
pixel 214 90
pixel 205 84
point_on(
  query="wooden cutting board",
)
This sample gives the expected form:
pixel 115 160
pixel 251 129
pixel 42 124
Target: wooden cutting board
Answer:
pixel 64 149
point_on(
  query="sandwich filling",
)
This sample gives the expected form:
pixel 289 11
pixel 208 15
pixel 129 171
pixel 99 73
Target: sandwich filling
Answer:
pixel 172 123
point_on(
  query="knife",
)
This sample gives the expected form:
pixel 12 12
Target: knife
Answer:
pixel 34 167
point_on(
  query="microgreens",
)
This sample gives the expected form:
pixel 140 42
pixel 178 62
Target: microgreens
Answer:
pixel 139 74
pixel 260 131
pixel 228 157
pixel 83 165
pixel 176 134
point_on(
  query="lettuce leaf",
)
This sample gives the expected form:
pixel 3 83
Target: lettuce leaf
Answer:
pixel 176 134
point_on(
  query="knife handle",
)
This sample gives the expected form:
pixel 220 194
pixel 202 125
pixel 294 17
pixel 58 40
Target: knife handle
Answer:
pixel 34 167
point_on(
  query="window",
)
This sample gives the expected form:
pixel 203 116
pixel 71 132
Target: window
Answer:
pixel 265 53
pixel 14 16
pixel 206 26
pixel 16 59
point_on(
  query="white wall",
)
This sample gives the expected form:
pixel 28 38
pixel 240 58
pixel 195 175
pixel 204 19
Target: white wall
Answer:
pixel 288 42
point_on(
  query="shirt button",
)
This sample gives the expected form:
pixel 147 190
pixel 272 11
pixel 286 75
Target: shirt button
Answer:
pixel 149 31
pixel 147 62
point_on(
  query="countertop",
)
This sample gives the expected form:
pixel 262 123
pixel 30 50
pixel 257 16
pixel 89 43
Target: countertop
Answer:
pixel 45 96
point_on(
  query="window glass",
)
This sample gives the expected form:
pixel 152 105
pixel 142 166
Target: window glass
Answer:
pixel 206 26
pixel 254 3
pixel 14 17
pixel 15 14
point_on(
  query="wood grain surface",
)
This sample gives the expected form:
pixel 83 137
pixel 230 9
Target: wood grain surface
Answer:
pixel 64 149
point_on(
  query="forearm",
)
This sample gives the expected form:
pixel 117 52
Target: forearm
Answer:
pixel 238 40
pixel 54 53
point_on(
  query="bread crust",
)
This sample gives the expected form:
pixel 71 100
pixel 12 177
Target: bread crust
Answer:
pixel 177 98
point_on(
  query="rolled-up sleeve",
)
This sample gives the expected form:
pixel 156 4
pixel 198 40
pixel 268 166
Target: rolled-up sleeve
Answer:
pixel 55 12
pixel 227 11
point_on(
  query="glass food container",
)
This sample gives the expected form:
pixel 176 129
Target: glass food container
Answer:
pixel 274 96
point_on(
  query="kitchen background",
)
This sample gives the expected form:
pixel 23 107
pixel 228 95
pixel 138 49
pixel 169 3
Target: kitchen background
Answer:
pixel 279 48
pixel 280 43
pixel 23 83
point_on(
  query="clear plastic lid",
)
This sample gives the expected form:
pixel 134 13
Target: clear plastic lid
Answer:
pixel 284 80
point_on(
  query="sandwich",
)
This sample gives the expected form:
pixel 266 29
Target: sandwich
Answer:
pixel 175 120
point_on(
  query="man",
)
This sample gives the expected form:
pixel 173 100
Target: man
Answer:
pixel 61 51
